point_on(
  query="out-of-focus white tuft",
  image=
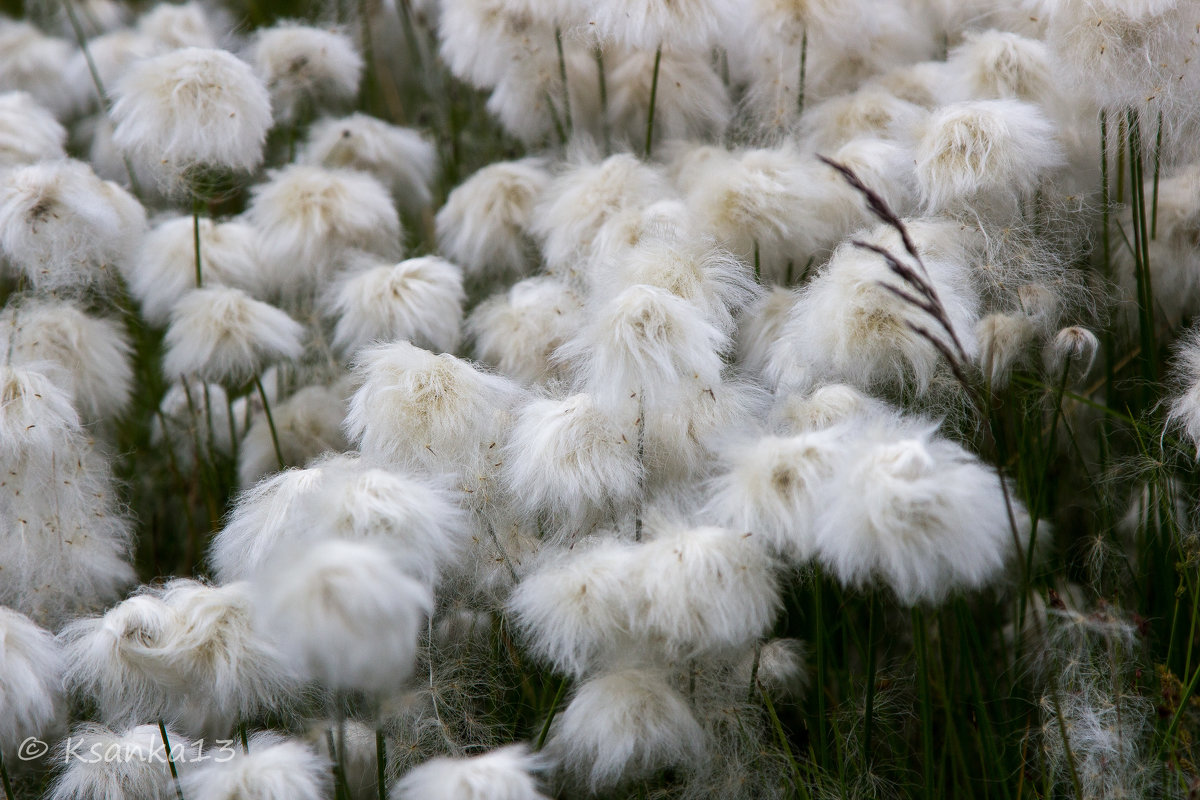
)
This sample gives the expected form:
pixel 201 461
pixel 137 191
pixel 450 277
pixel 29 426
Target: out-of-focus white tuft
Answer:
pixel 272 768
pixel 309 219
pixel 64 228
pixel 28 131
pixel 401 158
pixel 692 101
pixel 31 684
pixel 986 153
pixel 623 725
pixel 505 773
pixel 1005 341
pixel 222 335
pixel 176 25
pixel 305 69
pixel 518 331
pixel 165 268
pixel 999 64
pixel 485 222
pixel 345 613
pixel 93 352
pixel 191 109
pixel 32 62
pixel 420 300
pixel 921 515
pixel 649 24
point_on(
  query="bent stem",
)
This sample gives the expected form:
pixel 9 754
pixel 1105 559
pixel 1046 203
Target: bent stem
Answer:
pixel 653 100
pixel 162 730
pixel 262 393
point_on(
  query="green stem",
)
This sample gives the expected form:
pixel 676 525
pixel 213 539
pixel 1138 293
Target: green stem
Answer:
pixel 653 101
pixel 381 764
pixel 8 790
pixel 162 730
pixel 1157 165
pixel 819 637
pixel 262 393
pixel 607 132
pixel 1062 731
pixel 558 696
pixel 803 71
pixel 196 204
pixel 868 717
pixel 919 644
pixel 569 122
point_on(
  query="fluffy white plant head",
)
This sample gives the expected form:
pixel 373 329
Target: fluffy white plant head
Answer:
pixel 645 342
pixel 64 228
pixel 480 39
pixel 417 408
pixel 825 407
pixel 345 613
pixel 1000 64
pixel 305 68
pixel 703 589
pixel 582 198
pixel 990 153
pixel 696 106
pixel 759 325
pixel 1072 349
pixel 309 218
pixel 570 458
pixel 649 24
pixel 31 685
pixel 623 725
pixel 870 112
pixel 125 660
pixel 754 201
pixel 485 222
pixel 32 62
pixel 776 486
pixel 1185 406
pixel 93 352
pixel 223 335
pixel 229 672
pixel 575 609
pixel 274 768
pixel 517 331
pixel 689 267
pixel 172 26
pixel 164 269
pixel 920 515
pixel 416 518
pixel 846 327
pixel 263 516
pixel 191 109
pixel 102 764
pixel 28 131
pixel 307 425
pixel 419 300
pixel 506 773
pixel 401 158
pixel 529 100
pixel 1005 341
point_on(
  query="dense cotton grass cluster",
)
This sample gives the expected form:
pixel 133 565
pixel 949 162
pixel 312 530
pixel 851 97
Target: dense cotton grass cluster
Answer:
pixel 506 399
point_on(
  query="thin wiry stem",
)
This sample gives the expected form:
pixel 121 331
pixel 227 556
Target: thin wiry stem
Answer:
pixel 162 731
pixel 653 101
pixel 569 122
pixel 8 790
pixel 262 393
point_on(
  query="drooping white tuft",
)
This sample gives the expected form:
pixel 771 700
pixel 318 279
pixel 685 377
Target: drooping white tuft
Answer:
pixel 31 685
pixel 305 68
pixel 28 131
pixel 165 268
pixel 271 768
pixel 310 218
pixel 136 766
pixel 623 725
pixel 505 773
pixel 32 62
pixel 419 300
pixel 485 222
pixel 64 228
pixel 345 613
pixel 191 109
pixel 518 331
pixel 692 102
pixel 401 158
pixel 223 335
